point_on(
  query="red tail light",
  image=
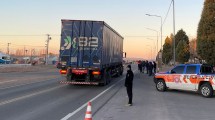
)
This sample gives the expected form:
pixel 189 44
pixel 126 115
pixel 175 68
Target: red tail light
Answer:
pixel 96 73
pixel 63 71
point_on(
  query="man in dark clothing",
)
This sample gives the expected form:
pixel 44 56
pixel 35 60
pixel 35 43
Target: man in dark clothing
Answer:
pixel 150 68
pixel 154 67
pixel 147 67
pixel 140 66
pixel 129 84
pixel 143 66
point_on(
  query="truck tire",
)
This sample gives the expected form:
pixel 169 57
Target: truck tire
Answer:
pixel 121 70
pixel 206 90
pixel 118 72
pixel 161 86
pixel 106 78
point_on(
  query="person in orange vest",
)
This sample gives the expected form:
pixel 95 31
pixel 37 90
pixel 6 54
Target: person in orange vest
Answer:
pixel 129 84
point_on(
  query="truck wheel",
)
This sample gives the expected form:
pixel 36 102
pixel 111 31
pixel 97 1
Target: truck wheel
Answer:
pixel 106 78
pixel 161 85
pixel 206 90
pixel 118 72
pixel 121 70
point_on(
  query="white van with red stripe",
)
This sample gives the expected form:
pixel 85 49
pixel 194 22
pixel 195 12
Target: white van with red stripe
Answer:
pixel 189 77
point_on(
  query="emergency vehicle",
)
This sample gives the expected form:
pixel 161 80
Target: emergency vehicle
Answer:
pixel 189 77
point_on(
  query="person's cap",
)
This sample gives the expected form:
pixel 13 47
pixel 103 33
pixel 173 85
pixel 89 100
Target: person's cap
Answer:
pixel 129 66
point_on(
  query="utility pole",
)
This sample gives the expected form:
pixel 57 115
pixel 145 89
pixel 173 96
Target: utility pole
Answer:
pixel 32 53
pixel 26 56
pixel 24 51
pixel 173 31
pixel 8 49
pixel 47 48
pixel 157 37
pixel 161 28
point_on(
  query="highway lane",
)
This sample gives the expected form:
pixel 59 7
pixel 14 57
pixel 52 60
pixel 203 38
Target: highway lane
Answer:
pixel 46 99
pixel 20 78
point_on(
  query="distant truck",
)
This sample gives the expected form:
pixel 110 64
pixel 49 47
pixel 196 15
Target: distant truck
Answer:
pixel 189 77
pixel 91 52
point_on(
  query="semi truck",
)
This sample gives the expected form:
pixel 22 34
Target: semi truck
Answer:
pixel 91 52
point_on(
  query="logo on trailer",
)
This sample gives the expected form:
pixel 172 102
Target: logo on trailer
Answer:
pixel 82 42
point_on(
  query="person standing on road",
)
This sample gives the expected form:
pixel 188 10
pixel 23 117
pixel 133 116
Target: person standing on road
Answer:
pixel 143 66
pixel 150 68
pixel 147 67
pixel 140 66
pixel 154 67
pixel 129 84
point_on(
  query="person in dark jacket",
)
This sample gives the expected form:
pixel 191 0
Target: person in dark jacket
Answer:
pixel 150 68
pixel 147 67
pixel 154 67
pixel 140 66
pixel 143 66
pixel 129 84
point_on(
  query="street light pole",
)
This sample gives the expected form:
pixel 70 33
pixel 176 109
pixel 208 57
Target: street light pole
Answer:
pixel 157 36
pixel 160 28
pixel 8 49
pixel 173 31
pixel 154 47
pixel 47 48
pixel 150 56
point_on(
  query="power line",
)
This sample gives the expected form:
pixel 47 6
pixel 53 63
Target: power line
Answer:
pixel 167 13
pixel 140 36
pixel 26 45
pixel 32 35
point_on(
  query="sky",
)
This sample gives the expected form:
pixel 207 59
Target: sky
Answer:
pixel 25 23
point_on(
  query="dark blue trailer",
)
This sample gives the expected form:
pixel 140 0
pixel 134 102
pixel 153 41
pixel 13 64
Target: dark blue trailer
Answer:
pixel 91 52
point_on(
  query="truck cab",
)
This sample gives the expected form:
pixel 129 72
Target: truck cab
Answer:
pixel 189 77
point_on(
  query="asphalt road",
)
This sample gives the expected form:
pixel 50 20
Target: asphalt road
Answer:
pixel 149 104
pixel 44 98
pixel 40 96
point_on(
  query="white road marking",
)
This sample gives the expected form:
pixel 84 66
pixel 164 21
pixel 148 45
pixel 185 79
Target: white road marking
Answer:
pixel 30 95
pixel 84 105
pixel 28 83
pixel 8 81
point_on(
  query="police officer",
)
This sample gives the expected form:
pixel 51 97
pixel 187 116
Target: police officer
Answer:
pixel 129 84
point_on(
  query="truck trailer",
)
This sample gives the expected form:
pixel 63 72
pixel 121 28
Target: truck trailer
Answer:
pixel 91 52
